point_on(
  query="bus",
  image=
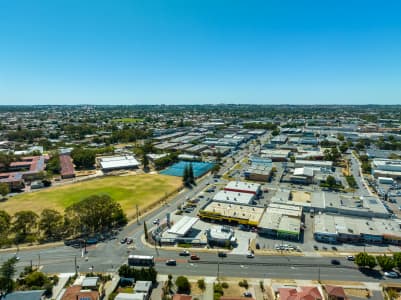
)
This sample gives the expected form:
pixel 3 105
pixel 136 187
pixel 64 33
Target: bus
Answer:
pixel 141 261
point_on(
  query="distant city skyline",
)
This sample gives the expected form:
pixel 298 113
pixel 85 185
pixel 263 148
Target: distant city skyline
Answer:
pixel 200 52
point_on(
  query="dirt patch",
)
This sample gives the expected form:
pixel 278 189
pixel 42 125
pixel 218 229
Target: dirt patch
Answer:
pixel 195 290
pixel 361 293
pixel 234 290
pixel 301 196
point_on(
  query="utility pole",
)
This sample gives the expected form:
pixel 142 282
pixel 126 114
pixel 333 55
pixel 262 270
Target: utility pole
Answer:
pixel 137 214
pixel 38 260
pixel 75 264
pixel 318 270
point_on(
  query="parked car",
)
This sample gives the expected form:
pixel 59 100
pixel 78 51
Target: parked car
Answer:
pixel 250 255
pixel 129 241
pixel 315 247
pixel 171 262
pixel 184 253
pixel 391 274
pixel 247 294
pixel 156 221
pixel 123 240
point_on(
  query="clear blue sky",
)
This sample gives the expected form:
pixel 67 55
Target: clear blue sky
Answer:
pixel 195 52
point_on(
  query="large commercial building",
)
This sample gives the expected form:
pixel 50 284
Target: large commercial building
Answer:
pixel 281 221
pixel 387 168
pixel 67 167
pixel 258 172
pixel 323 164
pixel 367 206
pixel 243 187
pixel 220 235
pixel 334 228
pixel 234 197
pixel 231 213
pixel 118 163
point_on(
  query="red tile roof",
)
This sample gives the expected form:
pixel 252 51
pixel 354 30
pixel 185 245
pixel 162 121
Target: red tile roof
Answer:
pixel 235 298
pixel 336 291
pixel 74 292
pixel 67 168
pixel 300 293
pixel 182 297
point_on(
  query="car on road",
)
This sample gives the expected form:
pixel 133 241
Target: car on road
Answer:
pixel 250 255
pixel 315 247
pixel 129 241
pixel 222 254
pixel 184 253
pixel 335 262
pixel 194 257
pixel 391 274
pixel 247 294
pixel 171 262
pixel 156 221
pixel 123 240
pixel 350 258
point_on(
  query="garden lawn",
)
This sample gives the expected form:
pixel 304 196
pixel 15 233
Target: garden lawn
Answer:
pixel 129 191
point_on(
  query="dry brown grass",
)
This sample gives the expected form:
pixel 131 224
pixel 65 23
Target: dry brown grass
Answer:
pixel 300 196
pixel 361 293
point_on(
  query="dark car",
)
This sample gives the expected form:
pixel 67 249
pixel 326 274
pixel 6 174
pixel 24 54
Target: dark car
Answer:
pixel 123 241
pixel 171 262
pixel 315 247
pixel 184 253
pixel 335 262
pixel 222 254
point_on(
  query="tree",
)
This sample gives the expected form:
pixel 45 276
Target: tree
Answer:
pixel 386 263
pixel 53 165
pixel 25 222
pixel 185 176
pixel 363 259
pixel 331 181
pixel 4 189
pixel 201 284
pixel 83 158
pixel 5 223
pixel 36 279
pixel 191 176
pixel 95 214
pixel 183 285
pixel 51 224
pixel 397 259
pixel 216 168
pixel 145 162
pixel 145 230
pixel 7 272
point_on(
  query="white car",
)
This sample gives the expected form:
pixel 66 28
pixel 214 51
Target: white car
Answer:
pixel 250 255
pixel 391 274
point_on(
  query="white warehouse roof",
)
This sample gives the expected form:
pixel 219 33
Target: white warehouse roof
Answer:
pixel 245 187
pixel 118 162
pixel 234 197
pixel 183 226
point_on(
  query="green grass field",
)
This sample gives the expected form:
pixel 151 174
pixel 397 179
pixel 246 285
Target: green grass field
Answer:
pixel 127 190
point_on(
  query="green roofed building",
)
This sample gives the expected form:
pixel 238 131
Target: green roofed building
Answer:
pixel 281 221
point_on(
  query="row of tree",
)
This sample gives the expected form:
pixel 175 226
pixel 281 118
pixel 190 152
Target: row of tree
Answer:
pixel 94 214
pixel 188 177
pixel 386 263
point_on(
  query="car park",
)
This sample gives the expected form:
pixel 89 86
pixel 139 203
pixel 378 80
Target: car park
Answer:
pixel 171 262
